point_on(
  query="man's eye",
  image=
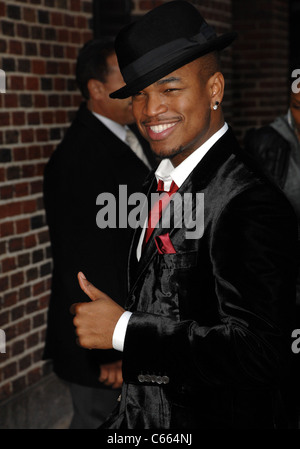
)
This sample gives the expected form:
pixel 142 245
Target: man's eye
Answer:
pixel 138 94
pixel 171 89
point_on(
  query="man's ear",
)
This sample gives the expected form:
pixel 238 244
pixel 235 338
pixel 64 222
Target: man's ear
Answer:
pixel 96 89
pixel 217 84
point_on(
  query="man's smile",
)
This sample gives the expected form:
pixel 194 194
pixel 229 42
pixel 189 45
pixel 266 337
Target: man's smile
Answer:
pixel 160 131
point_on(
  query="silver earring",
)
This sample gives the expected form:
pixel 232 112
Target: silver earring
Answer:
pixel 216 105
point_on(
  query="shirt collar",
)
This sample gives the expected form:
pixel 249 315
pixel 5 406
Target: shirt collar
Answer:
pixel 168 173
pixel 114 127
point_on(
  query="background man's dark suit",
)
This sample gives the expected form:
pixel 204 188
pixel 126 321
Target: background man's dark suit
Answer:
pixel 90 160
pixel 213 316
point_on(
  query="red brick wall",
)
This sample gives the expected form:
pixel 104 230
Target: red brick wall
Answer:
pixel 39 40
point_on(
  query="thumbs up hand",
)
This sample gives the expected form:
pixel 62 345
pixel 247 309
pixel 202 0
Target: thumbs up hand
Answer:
pixel 95 321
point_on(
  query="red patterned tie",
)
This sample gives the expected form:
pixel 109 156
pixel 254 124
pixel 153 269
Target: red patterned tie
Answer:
pixel 158 207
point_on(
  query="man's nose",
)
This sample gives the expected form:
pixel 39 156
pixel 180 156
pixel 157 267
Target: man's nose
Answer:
pixel 154 105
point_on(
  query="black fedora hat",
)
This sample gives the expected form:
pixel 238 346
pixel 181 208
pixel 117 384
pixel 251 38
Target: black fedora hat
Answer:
pixel 163 40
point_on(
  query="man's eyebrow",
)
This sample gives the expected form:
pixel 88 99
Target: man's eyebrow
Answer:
pixel 168 80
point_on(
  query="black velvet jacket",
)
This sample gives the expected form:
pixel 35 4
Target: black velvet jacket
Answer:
pixel 208 340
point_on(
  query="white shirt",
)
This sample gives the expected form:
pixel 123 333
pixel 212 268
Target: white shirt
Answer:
pixel 167 173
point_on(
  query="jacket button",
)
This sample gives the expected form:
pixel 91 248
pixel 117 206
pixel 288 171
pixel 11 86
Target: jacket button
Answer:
pixel 147 378
pixel 165 379
pixel 159 379
pixel 141 378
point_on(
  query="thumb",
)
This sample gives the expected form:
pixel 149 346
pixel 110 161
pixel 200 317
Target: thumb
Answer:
pixel 88 288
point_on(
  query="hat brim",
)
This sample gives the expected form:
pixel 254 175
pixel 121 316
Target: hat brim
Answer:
pixel 217 44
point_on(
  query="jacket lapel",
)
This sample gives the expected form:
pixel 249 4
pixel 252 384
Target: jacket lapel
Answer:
pixel 148 186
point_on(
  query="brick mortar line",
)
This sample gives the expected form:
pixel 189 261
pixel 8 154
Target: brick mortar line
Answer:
pixel 30 109
pixel 29 179
pixel 27 316
pixel 39 109
pixel 20 337
pixel 22 217
pixel 40 91
pixel 19 199
pixel 22 234
pixel 41 246
pixel 27 283
pixel 31 284
pixel 25 302
pixel 24 162
pixel 22 319
pixel 23 250
pixel 38 56
pixel 34 127
pixel 23 270
pixel 9 254
pixel 41 7
pixel 27 351
pixel 33 232
pixel 21 162
pixel 25 371
pixel 7 37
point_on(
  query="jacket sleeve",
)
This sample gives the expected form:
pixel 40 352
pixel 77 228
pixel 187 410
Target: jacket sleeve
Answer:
pixel 252 254
pixel 77 243
pixel 271 150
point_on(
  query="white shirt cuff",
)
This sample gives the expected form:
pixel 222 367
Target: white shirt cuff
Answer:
pixel 120 331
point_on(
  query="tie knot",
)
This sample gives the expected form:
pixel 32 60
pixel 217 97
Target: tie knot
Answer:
pixel 161 187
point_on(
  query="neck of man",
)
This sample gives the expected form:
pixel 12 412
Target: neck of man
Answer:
pixel 216 125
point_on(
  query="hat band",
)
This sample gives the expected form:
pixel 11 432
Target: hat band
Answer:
pixel 165 53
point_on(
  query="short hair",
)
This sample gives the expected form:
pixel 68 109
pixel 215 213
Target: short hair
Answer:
pixel 210 64
pixel 92 63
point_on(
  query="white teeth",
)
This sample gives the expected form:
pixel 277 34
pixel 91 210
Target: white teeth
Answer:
pixel 160 128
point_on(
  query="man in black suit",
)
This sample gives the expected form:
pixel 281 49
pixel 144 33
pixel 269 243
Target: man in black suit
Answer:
pixel 92 158
pixel 206 332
